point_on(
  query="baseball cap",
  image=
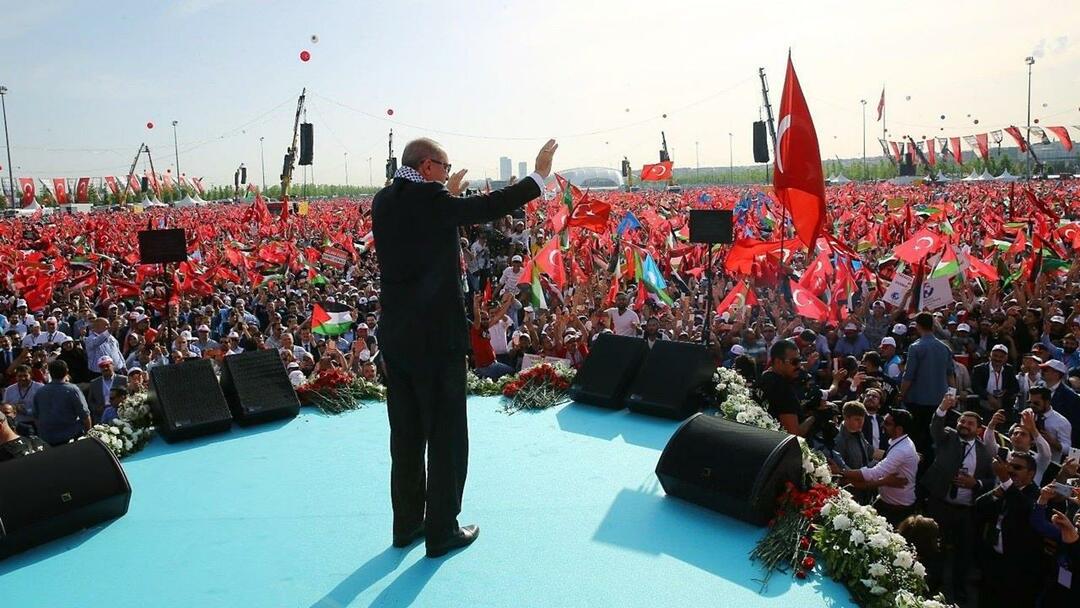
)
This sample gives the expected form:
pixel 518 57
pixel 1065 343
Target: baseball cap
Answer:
pixel 203 327
pixel 888 341
pixel 965 327
pixel 362 326
pixel 516 258
pixel 1055 365
pixel 135 370
pixel 899 329
pixel 20 303
pixel 737 350
pixel 1057 319
pixel 1001 347
pixel 233 334
pixel 851 326
pixel 104 360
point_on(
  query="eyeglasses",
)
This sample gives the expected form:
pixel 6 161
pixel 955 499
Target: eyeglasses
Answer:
pixel 444 165
pixel 1017 467
pixel 794 361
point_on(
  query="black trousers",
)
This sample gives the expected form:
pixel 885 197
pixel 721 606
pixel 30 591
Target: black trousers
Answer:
pixel 425 400
pixel 958 540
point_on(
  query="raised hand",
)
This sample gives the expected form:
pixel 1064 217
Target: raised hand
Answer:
pixel 455 184
pixel 544 157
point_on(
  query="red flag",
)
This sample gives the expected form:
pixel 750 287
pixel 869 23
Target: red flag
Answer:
pixel 642 295
pixel 658 172
pixel 881 105
pixel 895 150
pixel 798 181
pixel 484 299
pixel 1019 244
pixel 816 277
pixel 806 304
pixel 110 181
pixel 930 151
pixel 984 146
pixel 609 299
pixel 920 245
pixel 134 184
pixel 1070 233
pixel 738 297
pixel 1041 206
pixel 978 268
pixel 954 145
pixel 1063 135
pixel 549 260
pixel 198 184
pixel 590 215
pixel 1017 137
pixel 26 184
pixel 82 190
pixel 60 190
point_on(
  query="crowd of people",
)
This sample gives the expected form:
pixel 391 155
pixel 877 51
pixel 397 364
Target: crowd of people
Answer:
pixel 957 423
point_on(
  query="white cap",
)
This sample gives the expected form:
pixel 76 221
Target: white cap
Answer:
pixel 20 302
pixel 964 327
pixel 33 323
pixel 104 360
pixel 888 341
pixel 1001 347
pixel 233 334
pixel 1057 319
pixel 203 327
pixel 851 326
pixel 516 258
pixel 362 326
pixel 185 334
pixel 51 320
pixel 737 350
pixel 1057 366
pixel 899 329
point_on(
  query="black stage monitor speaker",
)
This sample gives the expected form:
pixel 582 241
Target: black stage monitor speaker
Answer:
pixel 257 387
pixel 60 491
pixel 307 143
pixel 671 382
pixel 144 182
pixel 735 469
pixel 711 226
pixel 608 371
pixel 187 401
pixel 162 246
pixel 761 143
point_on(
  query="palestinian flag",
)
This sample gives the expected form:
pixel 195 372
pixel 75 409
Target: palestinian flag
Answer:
pixel 947 266
pixel 330 319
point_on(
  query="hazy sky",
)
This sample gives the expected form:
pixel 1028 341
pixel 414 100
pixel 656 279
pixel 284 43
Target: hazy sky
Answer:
pixel 490 78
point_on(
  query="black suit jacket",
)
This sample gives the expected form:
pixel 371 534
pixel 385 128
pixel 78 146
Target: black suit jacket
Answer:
pixel 415 227
pixel 1066 402
pixel 980 375
pixel 868 430
pixel 948 456
pixel 1022 544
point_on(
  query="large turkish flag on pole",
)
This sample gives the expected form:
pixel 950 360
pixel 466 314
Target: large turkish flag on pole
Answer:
pixel 798 180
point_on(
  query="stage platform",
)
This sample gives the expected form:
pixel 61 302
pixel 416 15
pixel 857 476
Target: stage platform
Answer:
pixel 297 514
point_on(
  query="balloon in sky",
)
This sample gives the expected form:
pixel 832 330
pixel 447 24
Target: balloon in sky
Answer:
pixel 663 115
pixel 314 39
pixel 1036 121
pixel 149 125
pixel 1044 105
pixel 908 98
pixel 627 109
pixel 942 117
pixel 390 111
pixel 976 121
pixel 305 56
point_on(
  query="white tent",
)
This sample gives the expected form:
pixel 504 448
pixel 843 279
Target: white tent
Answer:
pixel 187 201
pixel 941 177
pixel 986 175
pixel 904 180
pixel 1006 177
pixel 974 177
pixel 840 179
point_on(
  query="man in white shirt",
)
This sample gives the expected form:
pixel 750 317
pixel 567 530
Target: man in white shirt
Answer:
pixel 35 335
pixel 508 280
pixel 52 333
pixel 1055 428
pixel 624 322
pixel 900 459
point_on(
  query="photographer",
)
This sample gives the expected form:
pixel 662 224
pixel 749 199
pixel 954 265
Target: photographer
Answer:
pixel 777 390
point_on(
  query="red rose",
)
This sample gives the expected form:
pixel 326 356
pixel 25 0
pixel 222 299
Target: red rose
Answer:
pixel 808 562
pixel 804 543
pixel 800 574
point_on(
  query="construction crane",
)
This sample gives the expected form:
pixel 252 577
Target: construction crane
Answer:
pixel 290 154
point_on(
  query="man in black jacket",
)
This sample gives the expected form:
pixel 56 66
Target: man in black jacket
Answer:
pixel 995 382
pixel 424 336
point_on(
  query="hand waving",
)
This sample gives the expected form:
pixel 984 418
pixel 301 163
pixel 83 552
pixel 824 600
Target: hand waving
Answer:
pixel 455 184
pixel 544 157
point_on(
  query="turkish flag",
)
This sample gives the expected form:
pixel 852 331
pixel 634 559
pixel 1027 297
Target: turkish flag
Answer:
pixel 134 184
pixel 110 181
pixel 26 185
pixel 1070 233
pixel 930 151
pixel 978 268
pixel 82 190
pixel 798 181
pixel 1063 135
pixel 1017 137
pixel 984 145
pixel 60 190
pixel 881 105
pixel 920 245
pixel 816 277
pixel 806 304
pixel 198 184
pixel 954 145
pixel 549 260
pixel 657 173
pixel 895 150
pixel 591 215
pixel 737 298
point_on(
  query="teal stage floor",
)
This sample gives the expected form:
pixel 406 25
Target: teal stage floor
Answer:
pixel 297 514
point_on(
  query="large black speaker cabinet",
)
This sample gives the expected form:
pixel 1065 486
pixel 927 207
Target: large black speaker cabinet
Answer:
pixel 307 143
pixel 736 469
pixel 761 143
pixel 187 401
pixel 162 246
pixel 60 491
pixel 673 381
pixel 608 371
pixel 257 387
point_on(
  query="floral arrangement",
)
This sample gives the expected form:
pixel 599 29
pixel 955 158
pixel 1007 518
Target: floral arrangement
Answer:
pixel 736 402
pixel 855 545
pixel 538 387
pixel 485 387
pixel 132 428
pixel 335 391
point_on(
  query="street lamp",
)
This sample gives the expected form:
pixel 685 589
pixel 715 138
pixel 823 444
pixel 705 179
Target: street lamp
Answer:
pixel 863 102
pixel 262 158
pixel 1030 62
pixel 731 157
pixel 7 142
pixel 697 161
pixel 346 169
pixel 176 149
pixel 370 182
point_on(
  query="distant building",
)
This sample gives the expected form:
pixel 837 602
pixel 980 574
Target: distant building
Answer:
pixel 505 168
pixel 596 178
pixel 523 169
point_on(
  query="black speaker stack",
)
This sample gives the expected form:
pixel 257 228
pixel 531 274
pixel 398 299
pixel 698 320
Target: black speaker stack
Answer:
pixel 667 380
pixel 257 387
pixel 186 401
pixel 761 143
pixel 307 143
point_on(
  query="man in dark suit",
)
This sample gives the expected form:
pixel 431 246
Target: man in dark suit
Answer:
pixel 98 394
pixel 1063 399
pixel 424 335
pixel 1015 560
pixel 995 382
pixel 961 472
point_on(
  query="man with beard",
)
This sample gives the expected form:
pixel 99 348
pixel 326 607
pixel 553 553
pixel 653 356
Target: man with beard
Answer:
pixel 961 471
pixel 995 381
pixel 624 322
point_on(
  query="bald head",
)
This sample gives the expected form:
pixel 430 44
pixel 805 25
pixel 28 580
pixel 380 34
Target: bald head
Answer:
pixel 419 150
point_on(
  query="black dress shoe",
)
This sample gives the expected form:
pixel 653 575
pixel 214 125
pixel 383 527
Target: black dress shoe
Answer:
pixel 462 537
pixel 402 541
